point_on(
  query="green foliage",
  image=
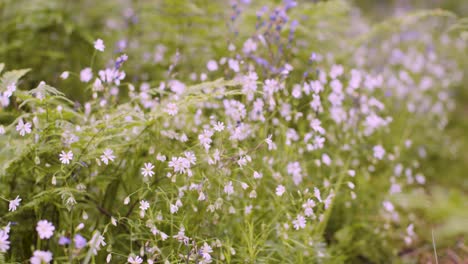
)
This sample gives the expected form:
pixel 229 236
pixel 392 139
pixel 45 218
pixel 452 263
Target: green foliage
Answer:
pixel 168 44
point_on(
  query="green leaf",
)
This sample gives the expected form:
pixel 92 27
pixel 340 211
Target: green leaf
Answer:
pixel 11 76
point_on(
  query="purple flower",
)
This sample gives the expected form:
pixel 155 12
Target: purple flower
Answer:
pixel 63 240
pixel 80 242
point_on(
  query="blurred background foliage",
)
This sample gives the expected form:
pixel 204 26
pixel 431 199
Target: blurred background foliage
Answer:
pixel 51 36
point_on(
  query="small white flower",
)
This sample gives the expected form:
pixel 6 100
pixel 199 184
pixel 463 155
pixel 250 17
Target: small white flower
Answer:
pixel 244 185
pixel 163 235
pixel 161 157
pixel 144 205
pixel 379 152
pixel 45 229
pixel 219 126
pixel 317 194
pixel 174 208
pixel 280 190
pixel 99 45
pixel 10 89
pixel 80 226
pixel 171 109
pixel 234 65
pixel 108 155
pixel 2 130
pixel 64 75
pixel 270 143
pixel 41 257
pixel 299 222
pixel 127 200
pixel 135 260
pixel 86 75
pixel 228 188
pixel 23 128
pixel 257 175
pixel 212 65
pixel 249 46
pixel 201 196
pixel 65 157
pixel 248 209
pixel 388 206
pixel 96 242
pixel 147 170
pixel 14 204
pixel 326 159
pixel 205 252
pixel 4 243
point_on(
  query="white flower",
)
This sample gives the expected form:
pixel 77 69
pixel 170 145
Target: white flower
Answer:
pixel 99 45
pixel 10 89
pixel 4 243
pixel 308 205
pixel 270 143
pixel 249 46
pixel 388 206
pixel 257 175
pixel 190 156
pixel 23 128
pixel 280 190
pixel 111 75
pixel 379 152
pixel 205 252
pixel 86 75
pixel 180 165
pixel 147 170
pixel 212 65
pixel 14 204
pixel 65 157
pixel 234 65
pixel 144 205
pixel 219 126
pixel 317 194
pixel 248 209
pixel 64 75
pixel 45 229
pixel 96 242
pixel 181 236
pixel 163 235
pixel 171 109
pixel 161 157
pixel 2 130
pixel 326 159
pixel 299 223
pixel 135 260
pixel 107 155
pixel 41 257
pixel 79 226
pixel 174 208
pixel 228 188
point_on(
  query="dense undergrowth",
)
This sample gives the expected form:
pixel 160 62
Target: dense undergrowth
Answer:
pixel 230 132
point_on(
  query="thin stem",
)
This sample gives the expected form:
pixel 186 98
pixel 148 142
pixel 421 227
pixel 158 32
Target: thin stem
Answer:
pixel 434 246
